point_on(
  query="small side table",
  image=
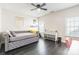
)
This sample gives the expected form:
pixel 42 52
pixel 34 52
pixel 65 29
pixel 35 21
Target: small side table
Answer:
pixel 59 40
pixel 0 45
pixel 1 39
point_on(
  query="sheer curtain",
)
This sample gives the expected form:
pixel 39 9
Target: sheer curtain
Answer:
pixel 72 26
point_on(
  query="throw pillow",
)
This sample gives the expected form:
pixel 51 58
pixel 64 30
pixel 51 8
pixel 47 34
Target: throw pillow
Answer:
pixel 12 33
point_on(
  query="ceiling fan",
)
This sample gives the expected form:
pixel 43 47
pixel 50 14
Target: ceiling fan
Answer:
pixel 39 6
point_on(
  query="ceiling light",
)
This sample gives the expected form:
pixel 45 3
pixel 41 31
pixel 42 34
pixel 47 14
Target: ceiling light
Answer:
pixel 38 9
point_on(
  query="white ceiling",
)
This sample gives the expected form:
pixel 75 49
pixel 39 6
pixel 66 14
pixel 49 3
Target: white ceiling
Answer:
pixel 26 8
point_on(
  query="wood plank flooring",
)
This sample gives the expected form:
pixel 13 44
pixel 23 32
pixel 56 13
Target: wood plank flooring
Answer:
pixel 42 47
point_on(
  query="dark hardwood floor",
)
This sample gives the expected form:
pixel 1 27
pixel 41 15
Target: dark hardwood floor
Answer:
pixel 42 47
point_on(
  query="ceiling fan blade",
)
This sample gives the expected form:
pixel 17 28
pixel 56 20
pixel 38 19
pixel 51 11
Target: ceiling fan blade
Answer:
pixel 33 4
pixel 43 8
pixel 34 9
pixel 42 5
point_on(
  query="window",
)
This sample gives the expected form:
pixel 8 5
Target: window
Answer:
pixel 72 26
pixel 19 22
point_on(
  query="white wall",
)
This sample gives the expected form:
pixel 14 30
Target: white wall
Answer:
pixel 56 21
pixel 9 20
pixel 0 20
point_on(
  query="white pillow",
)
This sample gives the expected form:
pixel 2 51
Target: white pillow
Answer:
pixel 9 33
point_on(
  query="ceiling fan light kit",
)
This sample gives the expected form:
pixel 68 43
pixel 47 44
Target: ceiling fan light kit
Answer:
pixel 39 6
pixel 38 9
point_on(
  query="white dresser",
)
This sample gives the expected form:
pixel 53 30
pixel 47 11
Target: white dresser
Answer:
pixel 51 35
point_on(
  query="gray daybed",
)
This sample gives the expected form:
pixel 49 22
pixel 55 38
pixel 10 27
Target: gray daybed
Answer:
pixel 18 39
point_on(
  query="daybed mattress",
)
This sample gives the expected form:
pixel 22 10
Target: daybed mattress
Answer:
pixel 23 36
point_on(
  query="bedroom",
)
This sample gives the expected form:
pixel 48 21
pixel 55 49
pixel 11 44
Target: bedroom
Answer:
pixel 19 17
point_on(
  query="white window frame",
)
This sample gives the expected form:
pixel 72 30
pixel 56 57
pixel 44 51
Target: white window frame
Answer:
pixel 75 31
